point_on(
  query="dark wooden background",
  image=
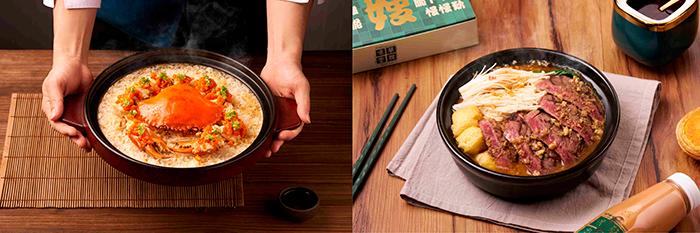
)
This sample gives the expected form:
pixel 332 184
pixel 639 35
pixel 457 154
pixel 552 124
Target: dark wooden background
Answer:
pixel 27 24
pixel 319 158
pixel 578 27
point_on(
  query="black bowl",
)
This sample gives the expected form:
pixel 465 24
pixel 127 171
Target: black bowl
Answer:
pixel 527 188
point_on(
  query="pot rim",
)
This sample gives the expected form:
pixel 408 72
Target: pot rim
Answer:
pixel 264 97
pixel 579 167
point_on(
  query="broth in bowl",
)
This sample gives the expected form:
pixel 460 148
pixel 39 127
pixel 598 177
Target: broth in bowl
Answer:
pixel 527 120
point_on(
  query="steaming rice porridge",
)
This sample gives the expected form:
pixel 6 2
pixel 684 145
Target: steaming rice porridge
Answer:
pixel 180 115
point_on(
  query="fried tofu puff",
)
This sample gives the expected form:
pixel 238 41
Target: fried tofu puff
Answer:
pixel 465 118
pixel 485 160
pixel 471 141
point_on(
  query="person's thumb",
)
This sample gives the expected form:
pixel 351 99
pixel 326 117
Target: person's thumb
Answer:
pixel 301 96
pixel 55 96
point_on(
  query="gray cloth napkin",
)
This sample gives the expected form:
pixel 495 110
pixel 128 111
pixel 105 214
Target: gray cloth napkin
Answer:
pixel 433 180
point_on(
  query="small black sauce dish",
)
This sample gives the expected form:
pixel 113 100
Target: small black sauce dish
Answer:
pixel 528 188
pixel 298 203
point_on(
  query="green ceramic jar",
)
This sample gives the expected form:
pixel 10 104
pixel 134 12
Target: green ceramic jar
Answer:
pixel 651 41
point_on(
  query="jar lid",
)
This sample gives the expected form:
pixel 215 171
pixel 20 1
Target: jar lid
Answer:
pixel 688 186
pixel 632 15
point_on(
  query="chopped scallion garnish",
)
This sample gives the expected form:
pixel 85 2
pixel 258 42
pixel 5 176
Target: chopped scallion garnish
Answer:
pixel 207 80
pixel 180 77
pixel 141 129
pixel 230 115
pixel 564 72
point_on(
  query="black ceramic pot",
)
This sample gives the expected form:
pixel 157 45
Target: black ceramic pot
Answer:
pixel 526 188
pixel 81 112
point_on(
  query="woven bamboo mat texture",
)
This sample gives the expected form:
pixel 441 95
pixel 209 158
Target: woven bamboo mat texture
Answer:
pixel 40 168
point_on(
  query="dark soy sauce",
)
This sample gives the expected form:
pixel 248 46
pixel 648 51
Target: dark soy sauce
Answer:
pixel 299 199
pixel 650 8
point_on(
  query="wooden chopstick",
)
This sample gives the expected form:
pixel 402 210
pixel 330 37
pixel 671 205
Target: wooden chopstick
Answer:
pixel 362 177
pixel 667 5
pixel 370 142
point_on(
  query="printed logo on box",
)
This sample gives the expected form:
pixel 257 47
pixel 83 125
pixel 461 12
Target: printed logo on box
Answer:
pixel 385 55
pixel 375 21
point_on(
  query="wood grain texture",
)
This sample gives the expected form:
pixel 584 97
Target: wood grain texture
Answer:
pixel 578 27
pixel 319 159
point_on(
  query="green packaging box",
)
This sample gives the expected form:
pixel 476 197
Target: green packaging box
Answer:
pixel 386 32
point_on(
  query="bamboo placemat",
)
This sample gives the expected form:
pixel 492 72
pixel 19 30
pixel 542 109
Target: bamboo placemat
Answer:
pixel 41 168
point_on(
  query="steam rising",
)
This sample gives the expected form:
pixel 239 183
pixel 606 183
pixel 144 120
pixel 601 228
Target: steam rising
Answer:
pixel 232 28
pixel 217 26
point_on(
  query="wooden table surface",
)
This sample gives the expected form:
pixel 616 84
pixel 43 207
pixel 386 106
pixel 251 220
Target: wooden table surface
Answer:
pixel 581 28
pixel 319 158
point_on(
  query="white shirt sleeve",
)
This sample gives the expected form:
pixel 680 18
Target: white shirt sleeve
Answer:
pixel 319 2
pixel 76 4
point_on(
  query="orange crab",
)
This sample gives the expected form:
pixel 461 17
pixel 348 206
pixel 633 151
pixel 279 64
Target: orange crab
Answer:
pixel 142 136
pixel 181 104
pixel 179 107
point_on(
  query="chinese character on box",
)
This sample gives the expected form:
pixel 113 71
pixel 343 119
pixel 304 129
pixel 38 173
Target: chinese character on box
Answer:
pixel 410 29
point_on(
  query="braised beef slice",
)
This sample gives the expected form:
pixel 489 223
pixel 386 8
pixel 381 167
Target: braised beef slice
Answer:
pixel 550 161
pixel 548 130
pixel 571 117
pixel 518 134
pixel 498 147
pixel 574 91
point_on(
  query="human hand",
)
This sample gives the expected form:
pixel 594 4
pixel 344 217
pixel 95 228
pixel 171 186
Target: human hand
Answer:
pixel 66 77
pixel 286 79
